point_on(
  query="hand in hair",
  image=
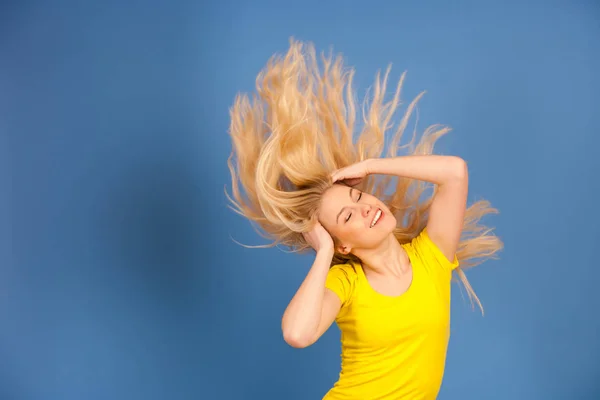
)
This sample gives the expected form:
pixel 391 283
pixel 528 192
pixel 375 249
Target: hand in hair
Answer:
pixel 318 238
pixel 353 174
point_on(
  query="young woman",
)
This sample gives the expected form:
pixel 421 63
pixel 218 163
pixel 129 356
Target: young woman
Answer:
pixel 384 254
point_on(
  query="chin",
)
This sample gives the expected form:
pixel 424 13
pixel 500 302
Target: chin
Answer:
pixel 390 231
pixel 387 222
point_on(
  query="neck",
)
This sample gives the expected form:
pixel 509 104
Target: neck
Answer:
pixel 389 258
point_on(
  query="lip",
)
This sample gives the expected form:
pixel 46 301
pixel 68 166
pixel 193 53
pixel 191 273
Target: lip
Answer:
pixel 380 217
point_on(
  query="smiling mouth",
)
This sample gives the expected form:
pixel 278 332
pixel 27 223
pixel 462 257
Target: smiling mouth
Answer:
pixel 377 217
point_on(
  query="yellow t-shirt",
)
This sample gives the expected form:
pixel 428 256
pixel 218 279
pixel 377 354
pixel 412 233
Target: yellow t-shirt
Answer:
pixel 394 347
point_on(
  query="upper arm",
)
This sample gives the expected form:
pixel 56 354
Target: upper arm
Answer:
pixel 447 211
pixel 339 288
pixel 330 309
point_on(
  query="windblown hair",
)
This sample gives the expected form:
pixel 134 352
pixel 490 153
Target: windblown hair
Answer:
pixel 298 128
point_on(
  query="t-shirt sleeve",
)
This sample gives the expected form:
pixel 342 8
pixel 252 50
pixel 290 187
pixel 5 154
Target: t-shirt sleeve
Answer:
pixel 341 280
pixel 431 253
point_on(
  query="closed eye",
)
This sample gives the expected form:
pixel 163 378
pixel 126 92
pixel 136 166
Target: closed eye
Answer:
pixel 357 200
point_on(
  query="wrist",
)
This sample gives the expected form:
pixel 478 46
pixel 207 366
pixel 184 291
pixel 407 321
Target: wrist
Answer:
pixel 326 252
pixel 372 165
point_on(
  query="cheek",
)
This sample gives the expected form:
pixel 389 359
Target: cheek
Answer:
pixel 355 232
pixel 345 233
pixel 335 231
pixel 391 221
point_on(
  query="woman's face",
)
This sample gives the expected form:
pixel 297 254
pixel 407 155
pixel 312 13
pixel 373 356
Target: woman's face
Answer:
pixel 356 219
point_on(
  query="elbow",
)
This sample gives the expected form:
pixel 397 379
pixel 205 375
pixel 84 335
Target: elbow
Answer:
pixel 460 169
pixel 296 340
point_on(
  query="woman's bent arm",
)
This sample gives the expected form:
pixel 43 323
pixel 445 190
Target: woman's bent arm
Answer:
pixel 448 208
pixel 313 308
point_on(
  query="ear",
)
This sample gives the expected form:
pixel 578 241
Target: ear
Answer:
pixel 343 249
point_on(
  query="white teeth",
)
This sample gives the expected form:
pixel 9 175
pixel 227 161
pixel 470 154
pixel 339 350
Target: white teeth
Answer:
pixel 377 216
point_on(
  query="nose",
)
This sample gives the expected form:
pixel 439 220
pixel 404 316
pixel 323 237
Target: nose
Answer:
pixel 366 210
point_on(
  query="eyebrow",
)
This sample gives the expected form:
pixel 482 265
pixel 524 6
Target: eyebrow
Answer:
pixel 342 210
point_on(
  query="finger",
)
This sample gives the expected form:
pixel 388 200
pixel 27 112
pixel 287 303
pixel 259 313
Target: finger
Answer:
pixel 352 181
pixel 337 177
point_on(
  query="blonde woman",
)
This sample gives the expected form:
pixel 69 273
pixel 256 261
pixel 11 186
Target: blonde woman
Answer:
pixel 385 249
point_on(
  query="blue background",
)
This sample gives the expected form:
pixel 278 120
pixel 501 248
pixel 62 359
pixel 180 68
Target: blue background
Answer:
pixel 119 278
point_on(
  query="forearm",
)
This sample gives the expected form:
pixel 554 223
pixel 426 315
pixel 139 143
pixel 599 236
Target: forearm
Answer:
pixel 436 169
pixel 302 316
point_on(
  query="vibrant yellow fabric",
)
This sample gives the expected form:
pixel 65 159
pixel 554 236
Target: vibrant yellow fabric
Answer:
pixel 394 347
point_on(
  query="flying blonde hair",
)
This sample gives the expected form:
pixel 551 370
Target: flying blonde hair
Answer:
pixel 298 128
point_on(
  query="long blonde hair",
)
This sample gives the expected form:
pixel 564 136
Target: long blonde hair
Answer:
pixel 298 128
